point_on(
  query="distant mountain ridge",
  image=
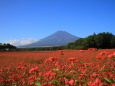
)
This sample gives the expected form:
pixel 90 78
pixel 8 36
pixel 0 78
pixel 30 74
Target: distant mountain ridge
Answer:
pixel 59 38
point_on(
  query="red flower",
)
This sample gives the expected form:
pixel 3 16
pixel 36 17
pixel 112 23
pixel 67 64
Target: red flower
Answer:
pixel 95 49
pixel 101 57
pixel 111 55
pixel 72 59
pixel 111 74
pixel 103 53
pixel 51 59
pixel 93 75
pixel 33 70
pixel 61 52
pixel 87 64
pixel 40 73
pixel 97 81
pixel 23 68
pixel 82 50
pixel 71 82
pixel 113 85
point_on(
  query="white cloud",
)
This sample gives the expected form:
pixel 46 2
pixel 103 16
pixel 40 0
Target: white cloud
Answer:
pixel 24 41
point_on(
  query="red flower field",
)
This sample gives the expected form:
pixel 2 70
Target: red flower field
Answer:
pixel 90 67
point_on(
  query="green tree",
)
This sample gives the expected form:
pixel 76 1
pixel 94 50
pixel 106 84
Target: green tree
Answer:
pixel 112 42
pixel 6 47
pixel 103 40
pixel 89 42
pixel 71 45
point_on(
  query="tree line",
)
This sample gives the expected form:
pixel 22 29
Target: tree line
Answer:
pixel 7 47
pixel 42 48
pixel 103 40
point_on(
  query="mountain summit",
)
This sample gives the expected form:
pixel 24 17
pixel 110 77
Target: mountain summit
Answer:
pixel 59 38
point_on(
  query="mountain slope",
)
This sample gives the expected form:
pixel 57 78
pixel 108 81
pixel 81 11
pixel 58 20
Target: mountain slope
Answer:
pixel 57 39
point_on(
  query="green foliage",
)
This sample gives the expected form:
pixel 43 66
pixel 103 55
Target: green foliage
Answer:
pixel 85 85
pixel 101 41
pixel 80 47
pixel 55 69
pixel 113 59
pixel 73 71
pixel 79 44
pixel 38 84
pixel 105 70
pixel 7 47
pixel 55 81
pixel 113 42
pixel 109 80
pixel 42 48
pixel 90 41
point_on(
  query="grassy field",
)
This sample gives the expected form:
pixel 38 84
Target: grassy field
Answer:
pixel 58 68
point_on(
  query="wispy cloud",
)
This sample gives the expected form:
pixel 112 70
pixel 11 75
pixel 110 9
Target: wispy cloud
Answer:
pixel 24 41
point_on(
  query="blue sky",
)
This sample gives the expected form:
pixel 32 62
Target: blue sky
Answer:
pixel 31 20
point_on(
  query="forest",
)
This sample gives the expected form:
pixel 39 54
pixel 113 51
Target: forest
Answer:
pixel 103 40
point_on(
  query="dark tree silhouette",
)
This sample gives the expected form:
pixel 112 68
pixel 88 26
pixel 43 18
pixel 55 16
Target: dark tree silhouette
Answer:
pixel 6 47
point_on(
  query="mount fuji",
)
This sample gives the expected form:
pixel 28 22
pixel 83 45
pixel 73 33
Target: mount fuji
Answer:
pixel 59 38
